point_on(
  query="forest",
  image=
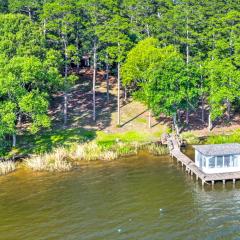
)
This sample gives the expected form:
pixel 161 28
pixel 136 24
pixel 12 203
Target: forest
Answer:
pixel 174 56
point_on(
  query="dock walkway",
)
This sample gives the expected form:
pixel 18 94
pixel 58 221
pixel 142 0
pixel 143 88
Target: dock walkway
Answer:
pixel 174 145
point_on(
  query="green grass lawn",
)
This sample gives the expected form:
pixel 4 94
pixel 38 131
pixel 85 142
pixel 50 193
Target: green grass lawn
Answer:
pixel 108 139
pixel 48 140
pixel 219 139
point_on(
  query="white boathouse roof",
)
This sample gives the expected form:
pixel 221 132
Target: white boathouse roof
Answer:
pixel 219 149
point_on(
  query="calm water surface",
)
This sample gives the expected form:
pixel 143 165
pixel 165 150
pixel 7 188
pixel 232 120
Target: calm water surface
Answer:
pixel 139 198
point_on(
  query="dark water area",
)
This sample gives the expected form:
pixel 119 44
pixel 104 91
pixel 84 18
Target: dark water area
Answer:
pixel 138 198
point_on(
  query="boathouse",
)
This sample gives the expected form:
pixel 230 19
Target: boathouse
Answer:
pixel 218 158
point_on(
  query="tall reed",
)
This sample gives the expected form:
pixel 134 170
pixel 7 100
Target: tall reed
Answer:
pixel 7 167
pixel 55 161
pixel 157 149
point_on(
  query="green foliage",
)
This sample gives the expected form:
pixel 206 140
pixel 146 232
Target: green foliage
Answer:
pixel 174 54
pixel 3 6
pixel 7 118
pixel 190 138
pixel 163 80
pixel 28 72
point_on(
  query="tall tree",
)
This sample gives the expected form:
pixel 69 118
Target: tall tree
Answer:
pixel 60 23
pixel 115 33
pixel 28 72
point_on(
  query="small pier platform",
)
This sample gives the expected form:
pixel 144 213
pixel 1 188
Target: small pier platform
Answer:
pixel 174 145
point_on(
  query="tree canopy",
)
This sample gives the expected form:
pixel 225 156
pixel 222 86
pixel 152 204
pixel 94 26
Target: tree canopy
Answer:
pixel 174 56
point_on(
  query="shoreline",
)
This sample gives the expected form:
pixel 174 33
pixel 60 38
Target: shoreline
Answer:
pixel 64 159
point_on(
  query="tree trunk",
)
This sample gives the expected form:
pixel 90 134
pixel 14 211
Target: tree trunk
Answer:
pixel 187 116
pixel 187 61
pixel 149 118
pixel 19 119
pixel 202 100
pixel 65 96
pixel 14 140
pixel 94 80
pixel 178 116
pixel 187 46
pixel 147 30
pixel 118 107
pixel 30 13
pixel 209 123
pixel 202 109
pixel 65 110
pixel 107 80
pixel 44 28
pixel 228 110
pixel 125 94
pixel 175 124
pixel 77 47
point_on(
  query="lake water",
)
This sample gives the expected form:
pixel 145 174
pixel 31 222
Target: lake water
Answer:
pixel 138 198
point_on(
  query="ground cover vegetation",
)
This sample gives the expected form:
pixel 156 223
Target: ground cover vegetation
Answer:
pixel 176 57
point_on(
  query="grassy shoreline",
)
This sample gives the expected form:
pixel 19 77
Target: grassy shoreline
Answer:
pixel 63 159
pixel 191 138
pixel 106 147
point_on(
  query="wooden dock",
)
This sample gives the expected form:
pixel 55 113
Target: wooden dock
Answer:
pixel 174 145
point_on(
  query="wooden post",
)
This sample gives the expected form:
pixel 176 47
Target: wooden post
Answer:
pixel 234 181
pixel 212 183
pixel 202 182
pixel 224 181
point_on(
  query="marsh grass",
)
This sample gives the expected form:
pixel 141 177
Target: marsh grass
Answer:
pixel 157 150
pixel 109 155
pixel 92 151
pixel 87 151
pixel 7 167
pixel 52 162
pixel 62 159
pixel 126 149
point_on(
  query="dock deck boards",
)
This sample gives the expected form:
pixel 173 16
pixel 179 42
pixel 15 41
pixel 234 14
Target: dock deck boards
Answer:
pixel 175 151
